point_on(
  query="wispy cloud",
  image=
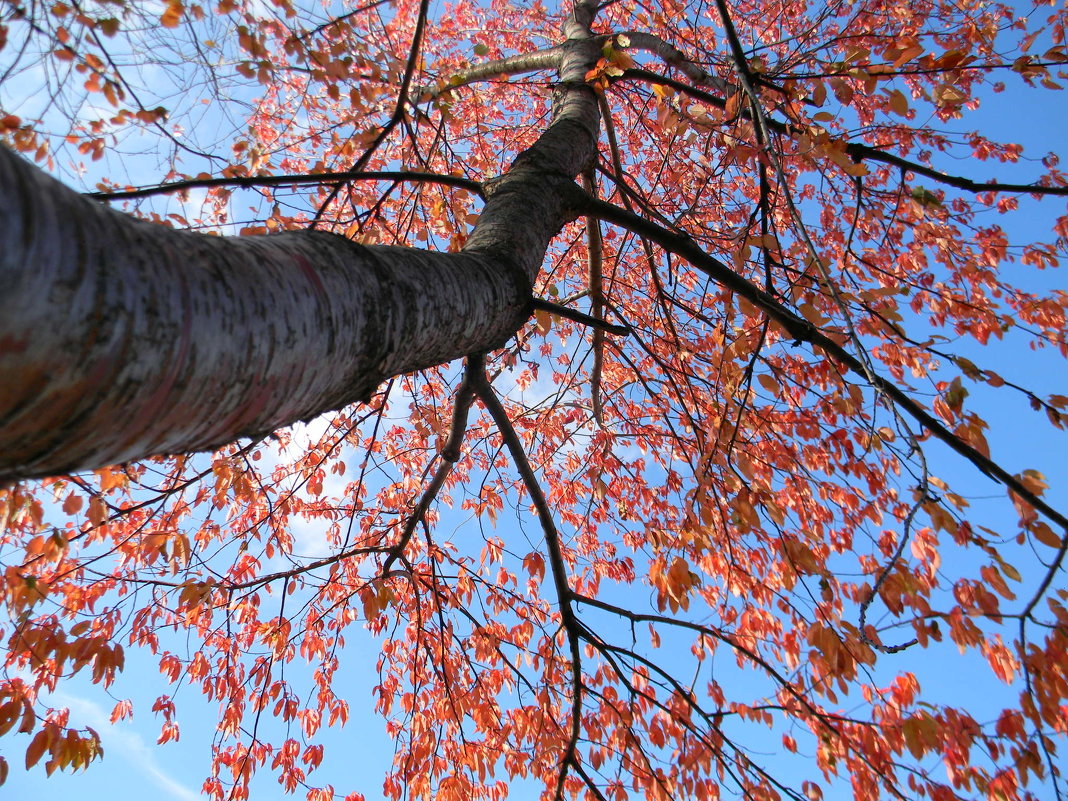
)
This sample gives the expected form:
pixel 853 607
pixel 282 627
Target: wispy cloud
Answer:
pixel 128 746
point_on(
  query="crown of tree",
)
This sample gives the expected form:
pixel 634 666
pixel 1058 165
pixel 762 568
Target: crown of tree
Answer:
pixel 633 378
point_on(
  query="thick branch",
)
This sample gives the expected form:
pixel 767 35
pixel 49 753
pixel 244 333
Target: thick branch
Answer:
pixel 557 564
pixel 580 317
pixel 120 338
pixel 674 57
pixel 803 331
pixel 511 65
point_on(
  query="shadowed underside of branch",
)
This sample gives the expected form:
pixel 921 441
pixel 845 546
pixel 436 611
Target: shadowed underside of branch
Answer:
pixel 125 338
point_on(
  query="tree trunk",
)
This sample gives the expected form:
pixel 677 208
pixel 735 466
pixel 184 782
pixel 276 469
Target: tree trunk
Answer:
pixel 121 339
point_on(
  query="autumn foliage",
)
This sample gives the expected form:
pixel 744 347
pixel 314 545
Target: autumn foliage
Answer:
pixel 720 518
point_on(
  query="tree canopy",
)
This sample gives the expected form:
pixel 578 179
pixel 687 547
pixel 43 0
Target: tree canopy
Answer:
pixel 647 383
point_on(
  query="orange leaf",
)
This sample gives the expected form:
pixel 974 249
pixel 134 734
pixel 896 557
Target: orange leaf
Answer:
pixel 35 750
pixel 72 504
pixel 173 15
pixel 1044 534
pixel 898 103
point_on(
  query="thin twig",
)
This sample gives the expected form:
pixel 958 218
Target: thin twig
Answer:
pixel 801 330
pixel 291 180
pixel 580 317
pixel 449 454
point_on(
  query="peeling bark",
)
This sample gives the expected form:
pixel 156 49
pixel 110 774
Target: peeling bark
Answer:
pixel 120 339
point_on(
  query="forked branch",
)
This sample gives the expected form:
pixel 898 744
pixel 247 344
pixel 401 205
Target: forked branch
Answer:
pixel 557 565
pixel 449 456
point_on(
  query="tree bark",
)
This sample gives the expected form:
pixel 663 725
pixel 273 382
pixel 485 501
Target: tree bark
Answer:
pixel 121 339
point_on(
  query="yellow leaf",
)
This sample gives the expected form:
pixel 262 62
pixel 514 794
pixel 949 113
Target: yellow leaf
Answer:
pixel 600 489
pixel 948 95
pixel 544 320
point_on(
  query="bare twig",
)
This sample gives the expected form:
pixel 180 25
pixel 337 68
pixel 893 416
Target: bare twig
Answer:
pixel 546 59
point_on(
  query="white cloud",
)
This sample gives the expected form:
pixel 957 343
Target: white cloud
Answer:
pixel 128 746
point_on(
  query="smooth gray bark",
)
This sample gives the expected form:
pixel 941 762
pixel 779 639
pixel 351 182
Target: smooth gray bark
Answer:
pixel 121 339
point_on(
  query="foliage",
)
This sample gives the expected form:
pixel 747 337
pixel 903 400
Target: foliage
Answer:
pixel 621 557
